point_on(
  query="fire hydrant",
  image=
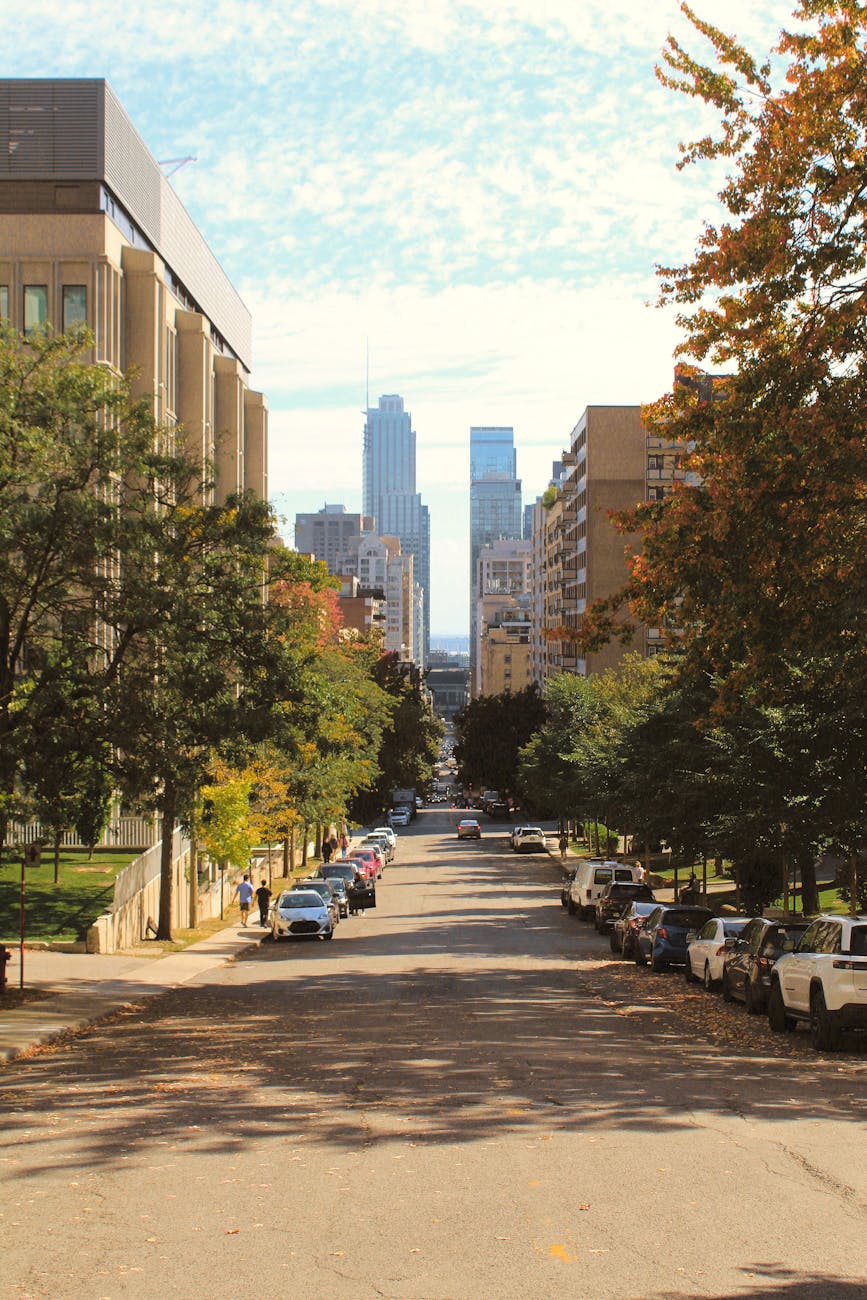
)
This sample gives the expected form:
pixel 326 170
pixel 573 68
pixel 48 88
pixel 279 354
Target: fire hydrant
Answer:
pixel 5 956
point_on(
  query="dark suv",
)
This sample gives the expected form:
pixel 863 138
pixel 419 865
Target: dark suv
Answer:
pixel 752 954
pixel 662 940
pixel 614 898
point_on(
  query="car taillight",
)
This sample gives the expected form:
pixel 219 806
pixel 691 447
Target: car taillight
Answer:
pixel 840 964
pixel 765 962
pixel 662 933
pixel 721 950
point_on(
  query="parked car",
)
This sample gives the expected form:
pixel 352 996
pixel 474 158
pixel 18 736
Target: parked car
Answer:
pixel 469 829
pixel 568 877
pixel 388 833
pixel 662 939
pixel 341 869
pixel 627 924
pixel 301 912
pixel 614 898
pixel 823 981
pixel 529 839
pixel 364 866
pixel 378 842
pixel 751 956
pixel 326 891
pixel 706 954
pixel 590 879
pixel 369 854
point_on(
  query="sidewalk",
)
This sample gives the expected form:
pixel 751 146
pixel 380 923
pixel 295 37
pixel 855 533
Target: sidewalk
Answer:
pixel 85 987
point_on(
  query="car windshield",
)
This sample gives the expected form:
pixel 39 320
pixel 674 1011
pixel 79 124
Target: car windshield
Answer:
pixel 321 887
pixel 297 898
pixel 342 871
pixel 731 928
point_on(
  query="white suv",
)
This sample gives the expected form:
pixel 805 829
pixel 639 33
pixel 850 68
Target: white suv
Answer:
pixel 824 981
pixel 529 839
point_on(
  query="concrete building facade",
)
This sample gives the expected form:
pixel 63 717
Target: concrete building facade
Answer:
pixel 91 231
pixel 328 532
pixel 383 570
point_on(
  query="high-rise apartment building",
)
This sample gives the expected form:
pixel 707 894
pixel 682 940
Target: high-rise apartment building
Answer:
pixel 328 532
pixel 578 556
pixel 389 494
pixel 383 570
pixel 91 231
pixel 495 504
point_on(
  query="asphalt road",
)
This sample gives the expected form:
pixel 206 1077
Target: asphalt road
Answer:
pixel 461 1098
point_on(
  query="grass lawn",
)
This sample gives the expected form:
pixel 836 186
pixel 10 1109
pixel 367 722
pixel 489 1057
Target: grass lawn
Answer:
pixel 60 912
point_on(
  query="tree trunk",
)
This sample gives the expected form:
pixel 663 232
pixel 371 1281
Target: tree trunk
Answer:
pixel 304 845
pixel 853 884
pixel 169 809
pixel 57 838
pixel 809 887
pixel 292 849
pixel 194 879
pixel 785 887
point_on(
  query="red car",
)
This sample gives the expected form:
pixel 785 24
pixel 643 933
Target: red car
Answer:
pixel 371 860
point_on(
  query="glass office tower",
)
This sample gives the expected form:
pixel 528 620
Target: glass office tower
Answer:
pixel 495 504
pixel 389 493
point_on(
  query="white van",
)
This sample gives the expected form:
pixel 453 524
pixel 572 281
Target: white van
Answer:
pixel 589 880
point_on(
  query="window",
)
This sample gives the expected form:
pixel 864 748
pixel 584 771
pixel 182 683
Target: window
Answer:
pixel 35 307
pixel 4 301
pixel 74 305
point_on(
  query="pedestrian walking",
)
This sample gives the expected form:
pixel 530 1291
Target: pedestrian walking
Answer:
pixel 344 844
pixel 244 890
pixel 564 847
pixel 326 850
pixel 263 898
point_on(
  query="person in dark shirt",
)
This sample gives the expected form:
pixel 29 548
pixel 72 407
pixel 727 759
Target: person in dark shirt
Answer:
pixel 263 898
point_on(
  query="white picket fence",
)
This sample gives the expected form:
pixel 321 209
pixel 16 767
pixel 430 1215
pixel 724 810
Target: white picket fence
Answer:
pixel 121 833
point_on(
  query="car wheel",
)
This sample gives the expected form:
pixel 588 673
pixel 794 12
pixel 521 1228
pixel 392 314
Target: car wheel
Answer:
pixel 657 963
pixel 570 907
pixel 640 959
pixel 626 950
pixel 708 980
pixel 687 972
pixel 751 1002
pixel 329 935
pixel 726 986
pixel 824 1034
pixel 612 944
pixel 779 1020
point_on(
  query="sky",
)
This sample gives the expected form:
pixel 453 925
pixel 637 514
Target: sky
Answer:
pixel 464 200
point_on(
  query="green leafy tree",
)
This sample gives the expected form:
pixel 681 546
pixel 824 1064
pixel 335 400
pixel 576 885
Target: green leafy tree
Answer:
pixel 491 732
pixel 73 443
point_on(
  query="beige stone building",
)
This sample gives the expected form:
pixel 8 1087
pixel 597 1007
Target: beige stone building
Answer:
pixel 578 557
pixel 502 617
pixel 91 231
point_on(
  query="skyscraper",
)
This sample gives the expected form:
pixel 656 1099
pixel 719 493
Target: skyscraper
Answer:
pixel 495 503
pixel 389 493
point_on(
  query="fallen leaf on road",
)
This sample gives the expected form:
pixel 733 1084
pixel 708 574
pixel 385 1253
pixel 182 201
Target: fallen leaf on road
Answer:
pixel 232 1232
pixel 584 1206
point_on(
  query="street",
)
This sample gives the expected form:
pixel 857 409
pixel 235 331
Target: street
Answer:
pixel 462 1097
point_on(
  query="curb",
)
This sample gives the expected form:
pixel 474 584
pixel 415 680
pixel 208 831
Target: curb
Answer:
pixel 62 1028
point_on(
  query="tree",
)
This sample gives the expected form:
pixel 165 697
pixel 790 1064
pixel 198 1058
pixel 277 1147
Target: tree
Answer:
pixel 491 732
pixel 72 442
pixel 756 561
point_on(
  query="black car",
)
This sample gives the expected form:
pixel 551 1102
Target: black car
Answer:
pixel 751 957
pixel 626 926
pixel 614 898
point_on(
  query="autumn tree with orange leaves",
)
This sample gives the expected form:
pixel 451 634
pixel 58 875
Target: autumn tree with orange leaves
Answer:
pixel 756 562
